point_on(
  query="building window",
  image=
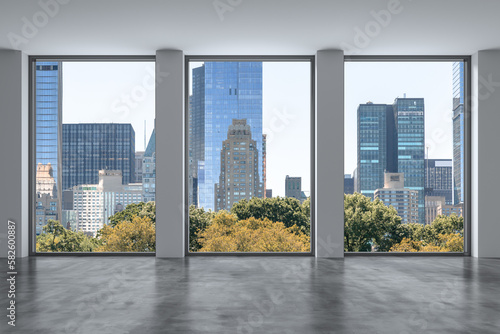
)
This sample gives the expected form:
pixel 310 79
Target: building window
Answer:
pixel 267 112
pixel 405 134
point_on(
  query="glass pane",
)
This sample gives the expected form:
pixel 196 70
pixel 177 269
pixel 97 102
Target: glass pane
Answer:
pixel 404 167
pixel 95 157
pixel 249 156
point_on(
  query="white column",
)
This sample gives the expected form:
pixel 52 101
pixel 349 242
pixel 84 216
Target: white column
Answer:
pixel 485 158
pixel 14 142
pixel 329 183
pixel 170 210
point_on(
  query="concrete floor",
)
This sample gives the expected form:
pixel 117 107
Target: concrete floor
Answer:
pixel 256 295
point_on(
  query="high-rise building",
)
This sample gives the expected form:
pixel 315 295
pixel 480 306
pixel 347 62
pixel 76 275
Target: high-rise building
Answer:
pixel 458 132
pixel 269 193
pixel 139 156
pixel 348 184
pixel 439 179
pixel 436 206
pixel 293 187
pixel 264 160
pixel 239 174
pixel 221 92
pixel 395 194
pixel 410 123
pixel 45 182
pixel 377 151
pixel 95 203
pixel 391 138
pixel 46 208
pixel 149 170
pixel 90 147
pixel 48 109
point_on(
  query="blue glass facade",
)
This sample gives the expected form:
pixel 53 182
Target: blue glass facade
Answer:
pixel 48 88
pixel 90 147
pixel 222 91
pixel 410 123
pixel 458 132
pixel 376 154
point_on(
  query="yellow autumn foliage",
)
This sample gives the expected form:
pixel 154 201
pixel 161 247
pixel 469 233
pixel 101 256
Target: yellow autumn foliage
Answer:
pixel 451 242
pixel 138 235
pixel 227 234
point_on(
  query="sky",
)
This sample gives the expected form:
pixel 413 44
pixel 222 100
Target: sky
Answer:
pixel 110 92
pixel 382 82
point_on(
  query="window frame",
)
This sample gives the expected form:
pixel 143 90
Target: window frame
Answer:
pixel 312 135
pixel 32 145
pixel 466 213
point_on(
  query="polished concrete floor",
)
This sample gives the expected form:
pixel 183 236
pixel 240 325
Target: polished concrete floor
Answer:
pixel 256 295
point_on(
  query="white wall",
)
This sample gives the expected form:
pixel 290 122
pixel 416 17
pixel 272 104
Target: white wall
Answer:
pixel 485 153
pixel 329 235
pixel 170 209
pixel 14 143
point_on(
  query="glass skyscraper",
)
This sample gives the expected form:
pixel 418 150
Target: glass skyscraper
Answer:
pixel 391 138
pixel 410 123
pixel 221 92
pixel 376 150
pixel 48 105
pixel 458 132
pixel 90 147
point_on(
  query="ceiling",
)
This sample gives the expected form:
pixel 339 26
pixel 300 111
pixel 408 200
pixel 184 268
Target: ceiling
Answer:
pixel 249 27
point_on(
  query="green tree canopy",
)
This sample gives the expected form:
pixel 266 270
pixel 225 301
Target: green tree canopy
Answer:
pixel 199 220
pixel 140 209
pixel 138 235
pixel 287 210
pixel 56 238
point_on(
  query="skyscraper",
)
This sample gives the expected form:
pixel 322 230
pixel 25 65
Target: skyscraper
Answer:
pixel 239 174
pixel 376 146
pixel 410 123
pixel 222 91
pixel 395 194
pixel 439 179
pixel 48 108
pixel 90 147
pixel 458 132
pixel 149 170
pixel 348 184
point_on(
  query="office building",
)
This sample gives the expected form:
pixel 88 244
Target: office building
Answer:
pixel 395 194
pixel 46 208
pixel 149 170
pixel 293 187
pixel 90 147
pixel 239 174
pixel 269 193
pixel 48 109
pixel 458 132
pixel 437 206
pixel 45 181
pixel 439 179
pixel 377 152
pixel 348 184
pixel 69 219
pixel 95 203
pixel 222 91
pixel 139 156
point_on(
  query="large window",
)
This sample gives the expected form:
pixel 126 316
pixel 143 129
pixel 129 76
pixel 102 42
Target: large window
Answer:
pixel 94 155
pixel 249 155
pixel 406 132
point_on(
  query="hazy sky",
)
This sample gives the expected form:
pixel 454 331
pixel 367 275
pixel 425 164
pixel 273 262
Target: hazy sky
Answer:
pixel 382 82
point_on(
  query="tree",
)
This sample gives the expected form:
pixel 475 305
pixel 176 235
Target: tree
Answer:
pixel 199 220
pixel 370 224
pixel 286 210
pixel 55 238
pixel 140 209
pixel 228 234
pixel 138 235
